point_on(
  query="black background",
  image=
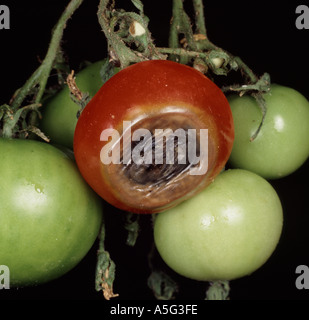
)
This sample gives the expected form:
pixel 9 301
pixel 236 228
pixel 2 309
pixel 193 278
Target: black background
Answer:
pixel 264 35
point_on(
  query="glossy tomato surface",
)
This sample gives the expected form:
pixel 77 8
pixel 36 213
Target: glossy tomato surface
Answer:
pixel 282 145
pixel 153 95
pixel 49 216
pixel 227 231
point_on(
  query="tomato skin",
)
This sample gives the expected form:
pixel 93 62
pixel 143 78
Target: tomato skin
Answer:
pixel 282 146
pixel 225 232
pixel 59 113
pixel 142 90
pixel 50 217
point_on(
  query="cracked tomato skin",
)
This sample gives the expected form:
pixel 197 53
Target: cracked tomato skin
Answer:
pixel 156 89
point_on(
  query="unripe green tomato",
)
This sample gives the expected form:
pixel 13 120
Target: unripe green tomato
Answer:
pixel 282 145
pixel 59 113
pixel 49 216
pixel 227 231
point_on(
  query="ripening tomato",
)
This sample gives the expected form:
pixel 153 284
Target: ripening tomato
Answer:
pixel 227 231
pixel 155 134
pixel 49 216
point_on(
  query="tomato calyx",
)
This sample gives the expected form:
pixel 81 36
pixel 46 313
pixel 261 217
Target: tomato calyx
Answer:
pixel 257 90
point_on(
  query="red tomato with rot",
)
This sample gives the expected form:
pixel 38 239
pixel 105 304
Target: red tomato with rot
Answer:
pixel 155 134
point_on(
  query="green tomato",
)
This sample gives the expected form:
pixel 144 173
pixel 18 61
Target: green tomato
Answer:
pixel 49 217
pixel 282 146
pixel 59 113
pixel 227 231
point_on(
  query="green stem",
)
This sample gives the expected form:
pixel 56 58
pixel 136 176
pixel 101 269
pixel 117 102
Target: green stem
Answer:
pixel 183 52
pixel 121 41
pixel 246 70
pixel 200 24
pixel 24 91
pixel 40 76
pixel 181 25
pixel 173 41
pixel 117 48
pixel 199 17
pixel 105 268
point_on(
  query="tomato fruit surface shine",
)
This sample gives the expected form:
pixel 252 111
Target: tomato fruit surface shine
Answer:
pixel 152 95
pixel 282 145
pixel 227 231
pixel 49 216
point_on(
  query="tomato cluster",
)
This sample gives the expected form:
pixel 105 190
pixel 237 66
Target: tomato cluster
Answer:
pixel 210 223
pixel 236 222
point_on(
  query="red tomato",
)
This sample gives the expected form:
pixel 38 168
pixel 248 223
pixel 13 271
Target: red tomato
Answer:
pixel 118 134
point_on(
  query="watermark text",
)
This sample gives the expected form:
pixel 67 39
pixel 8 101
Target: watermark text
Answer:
pixel 302 20
pixel 157 147
pixel 4 277
pixel 4 17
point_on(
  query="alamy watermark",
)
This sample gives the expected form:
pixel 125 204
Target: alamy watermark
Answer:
pixel 4 17
pixel 302 20
pixel 157 147
pixel 302 281
pixel 4 277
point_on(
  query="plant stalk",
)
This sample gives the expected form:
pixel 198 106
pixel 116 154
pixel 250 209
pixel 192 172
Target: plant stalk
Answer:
pixel 199 17
pixel 40 76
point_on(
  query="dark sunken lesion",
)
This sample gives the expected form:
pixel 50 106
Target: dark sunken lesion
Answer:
pixel 158 174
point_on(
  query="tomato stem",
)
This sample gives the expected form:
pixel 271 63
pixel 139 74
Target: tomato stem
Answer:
pixel 182 25
pixel 105 268
pixel 38 79
pixel 125 46
pixel 196 45
pixel 186 45
pixel 207 55
pixel 40 76
pixel 257 91
pixel 199 17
